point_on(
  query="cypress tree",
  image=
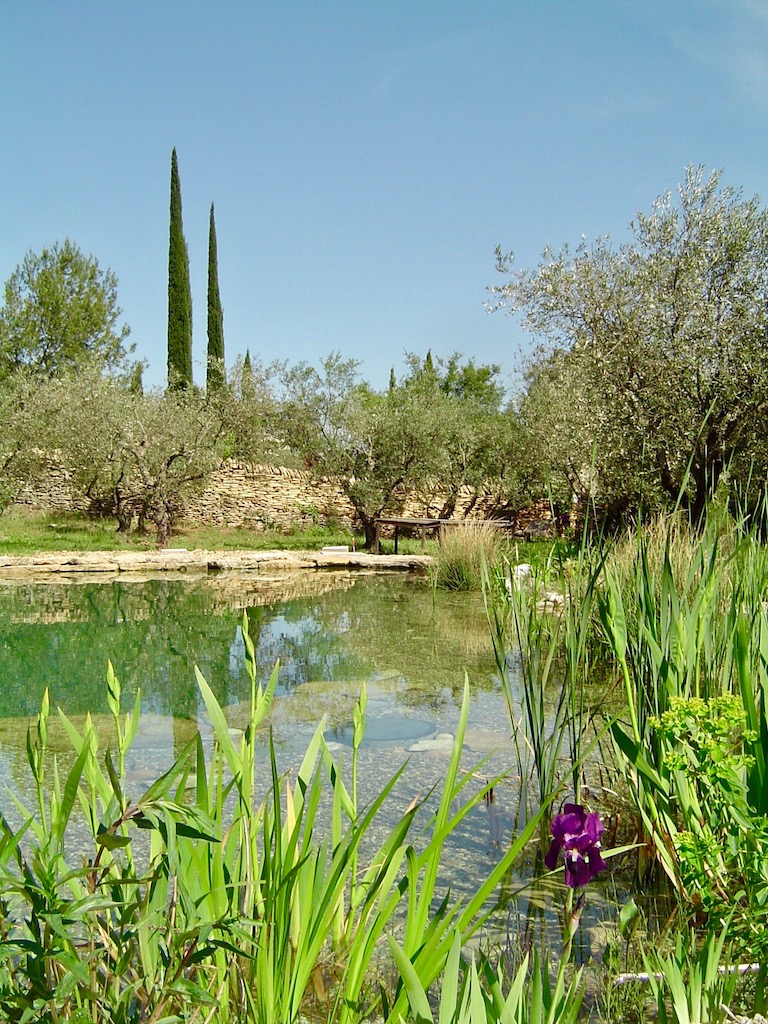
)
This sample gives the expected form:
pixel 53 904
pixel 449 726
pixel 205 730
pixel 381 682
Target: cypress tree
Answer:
pixel 179 292
pixel 215 377
pixel 248 389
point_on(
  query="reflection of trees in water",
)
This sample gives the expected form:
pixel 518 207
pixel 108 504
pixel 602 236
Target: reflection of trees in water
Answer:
pixel 156 650
pixel 155 632
pixel 308 639
pixel 382 625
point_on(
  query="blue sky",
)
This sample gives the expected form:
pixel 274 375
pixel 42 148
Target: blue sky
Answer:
pixel 364 157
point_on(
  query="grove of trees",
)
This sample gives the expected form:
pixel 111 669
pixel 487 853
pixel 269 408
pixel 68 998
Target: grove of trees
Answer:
pixel 649 384
pixel 651 379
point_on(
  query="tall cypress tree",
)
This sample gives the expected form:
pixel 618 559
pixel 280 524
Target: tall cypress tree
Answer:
pixel 179 292
pixel 247 388
pixel 215 377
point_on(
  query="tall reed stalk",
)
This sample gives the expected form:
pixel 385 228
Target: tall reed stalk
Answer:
pixel 541 632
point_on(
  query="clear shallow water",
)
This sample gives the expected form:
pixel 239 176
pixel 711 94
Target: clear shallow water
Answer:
pixel 342 629
pixel 331 632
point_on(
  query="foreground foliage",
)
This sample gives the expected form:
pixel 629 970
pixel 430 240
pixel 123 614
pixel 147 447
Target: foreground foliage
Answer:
pixel 674 621
pixel 241 905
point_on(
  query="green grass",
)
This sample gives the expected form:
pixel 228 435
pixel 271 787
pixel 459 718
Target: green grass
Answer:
pixel 463 552
pixel 25 532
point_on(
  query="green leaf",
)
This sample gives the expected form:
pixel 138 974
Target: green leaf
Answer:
pixel 70 793
pixel 111 840
pixel 628 918
pixel 414 990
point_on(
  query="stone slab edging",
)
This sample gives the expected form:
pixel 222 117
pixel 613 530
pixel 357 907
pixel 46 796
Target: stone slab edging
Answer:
pixel 182 560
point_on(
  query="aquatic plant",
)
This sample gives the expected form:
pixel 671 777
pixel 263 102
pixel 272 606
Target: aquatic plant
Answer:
pixel 231 908
pixel 576 834
pixel 692 983
pixel 542 632
pixel 691 647
pixel 479 992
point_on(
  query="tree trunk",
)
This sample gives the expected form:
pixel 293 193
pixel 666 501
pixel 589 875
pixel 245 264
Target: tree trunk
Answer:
pixel 161 517
pixel 369 528
pixel 123 512
pixel 124 518
pixel 449 506
pixel 141 524
pixel 705 473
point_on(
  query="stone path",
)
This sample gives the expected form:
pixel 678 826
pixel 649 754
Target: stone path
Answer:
pixel 181 560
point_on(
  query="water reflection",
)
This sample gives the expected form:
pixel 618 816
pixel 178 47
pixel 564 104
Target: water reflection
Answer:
pixel 60 636
pixel 408 645
pixel 331 632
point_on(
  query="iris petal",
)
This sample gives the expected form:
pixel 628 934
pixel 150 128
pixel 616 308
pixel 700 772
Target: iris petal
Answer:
pixel 551 859
pixel 577 834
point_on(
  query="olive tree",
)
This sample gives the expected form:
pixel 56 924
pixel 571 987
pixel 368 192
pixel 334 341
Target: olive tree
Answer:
pixel 88 414
pixel 137 454
pixel 481 445
pixel 377 445
pixel 658 344
pixel 248 405
pixel 60 309
pixel 174 443
pixel 24 402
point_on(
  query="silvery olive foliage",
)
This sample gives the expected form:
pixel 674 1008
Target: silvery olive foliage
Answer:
pixel 436 430
pixel 24 401
pixel 137 456
pixel 651 377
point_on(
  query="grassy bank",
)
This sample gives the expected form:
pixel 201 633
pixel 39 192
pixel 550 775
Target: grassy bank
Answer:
pixel 23 532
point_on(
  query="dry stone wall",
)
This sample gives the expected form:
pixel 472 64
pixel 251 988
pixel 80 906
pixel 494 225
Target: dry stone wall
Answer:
pixel 266 498
pixel 54 492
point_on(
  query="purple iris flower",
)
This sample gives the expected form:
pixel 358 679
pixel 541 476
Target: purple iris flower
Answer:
pixel 577 834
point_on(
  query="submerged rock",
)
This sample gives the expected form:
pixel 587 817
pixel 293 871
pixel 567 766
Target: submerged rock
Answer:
pixel 385 730
pixel 443 741
pixel 486 741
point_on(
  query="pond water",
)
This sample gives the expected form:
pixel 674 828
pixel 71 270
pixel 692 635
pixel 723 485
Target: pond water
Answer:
pixel 331 632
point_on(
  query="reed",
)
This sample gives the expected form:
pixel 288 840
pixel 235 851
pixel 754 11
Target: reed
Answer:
pixel 541 622
pixel 481 994
pixel 685 623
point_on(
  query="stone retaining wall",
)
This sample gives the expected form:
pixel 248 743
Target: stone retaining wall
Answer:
pixel 275 498
pixel 267 498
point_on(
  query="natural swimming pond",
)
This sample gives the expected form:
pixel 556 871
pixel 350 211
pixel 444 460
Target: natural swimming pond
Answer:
pixel 332 633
